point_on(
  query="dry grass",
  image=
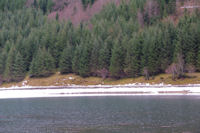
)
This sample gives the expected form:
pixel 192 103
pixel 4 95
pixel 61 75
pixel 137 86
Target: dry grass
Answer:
pixel 69 79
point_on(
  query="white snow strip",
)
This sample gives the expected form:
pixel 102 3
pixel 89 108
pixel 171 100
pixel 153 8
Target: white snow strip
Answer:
pixel 127 90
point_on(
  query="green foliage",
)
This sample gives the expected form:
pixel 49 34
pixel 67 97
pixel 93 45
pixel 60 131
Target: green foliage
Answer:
pixel 124 40
pixel 133 57
pixel 10 62
pixel 11 5
pixel 3 57
pixel 19 71
pixel 65 64
pixel 87 2
pixel 167 7
pixel 117 61
pixel 84 61
pixel 42 65
pixel 75 61
pixel 104 57
pixel 45 5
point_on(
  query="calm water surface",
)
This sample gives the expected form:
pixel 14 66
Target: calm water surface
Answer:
pixel 134 114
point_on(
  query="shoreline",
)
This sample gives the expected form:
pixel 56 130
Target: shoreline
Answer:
pixel 70 80
pixel 98 90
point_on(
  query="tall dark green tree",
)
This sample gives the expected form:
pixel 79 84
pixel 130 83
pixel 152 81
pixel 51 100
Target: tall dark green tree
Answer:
pixel 75 60
pixel 19 71
pixel 133 57
pixel 95 53
pixel 104 57
pixel 9 69
pixel 65 64
pixel 84 61
pixel 35 3
pixel 3 57
pixel 117 61
pixel 43 64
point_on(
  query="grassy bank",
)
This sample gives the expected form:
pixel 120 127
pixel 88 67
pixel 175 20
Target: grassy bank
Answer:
pixel 69 79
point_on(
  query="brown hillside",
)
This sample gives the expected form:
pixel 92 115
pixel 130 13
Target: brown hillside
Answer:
pixel 73 10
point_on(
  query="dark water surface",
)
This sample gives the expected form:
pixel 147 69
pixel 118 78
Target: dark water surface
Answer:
pixel 134 114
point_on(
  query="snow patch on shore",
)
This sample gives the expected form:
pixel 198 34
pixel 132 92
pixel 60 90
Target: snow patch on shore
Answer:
pixel 97 90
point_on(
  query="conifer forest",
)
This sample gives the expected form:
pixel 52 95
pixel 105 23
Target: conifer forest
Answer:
pixel 129 39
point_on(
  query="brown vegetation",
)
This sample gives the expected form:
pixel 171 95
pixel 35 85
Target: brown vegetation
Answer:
pixel 176 69
pixel 73 10
pixel 71 79
pixel 180 9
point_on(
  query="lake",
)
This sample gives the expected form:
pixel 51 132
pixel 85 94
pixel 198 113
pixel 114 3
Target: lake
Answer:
pixel 122 114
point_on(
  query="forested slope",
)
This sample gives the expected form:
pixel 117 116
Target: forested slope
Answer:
pixel 127 40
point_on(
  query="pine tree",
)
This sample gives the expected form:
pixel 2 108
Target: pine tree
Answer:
pixel 57 16
pixel 94 62
pixel 75 60
pixel 42 64
pixel 84 61
pixel 167 39
pixel 49 5
pixel 105 56
pixel 65 64
pixel 3 57
pixel 117 61
pixel 9 69
pixel 133 58
pixel 35 4
pixel 19 71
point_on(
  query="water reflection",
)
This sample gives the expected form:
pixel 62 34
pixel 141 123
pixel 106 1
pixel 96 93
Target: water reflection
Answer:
pixel 138 114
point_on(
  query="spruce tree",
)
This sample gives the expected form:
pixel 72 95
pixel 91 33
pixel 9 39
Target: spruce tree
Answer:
pixel 9 69
pixel 167 38
pixel 42 65
pixel 104 58
pixel 94 62
pixel 75 60
pixel 35 4
pixel 65 64
pixel 84 61
pixel 19 71
pixel 117 61
pixel 133 58
pixel 154 51
pixel 3 57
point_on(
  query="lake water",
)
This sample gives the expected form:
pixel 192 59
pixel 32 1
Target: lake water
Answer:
pixel 133 114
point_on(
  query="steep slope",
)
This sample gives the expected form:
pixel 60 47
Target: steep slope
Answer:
pixel 129 40
pixel 75 11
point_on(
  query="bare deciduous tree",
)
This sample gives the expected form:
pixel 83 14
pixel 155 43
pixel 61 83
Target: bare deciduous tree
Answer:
pixel 180 64
pixel 176 69
pixel 103 73
pixel 146 73
pixel 172 69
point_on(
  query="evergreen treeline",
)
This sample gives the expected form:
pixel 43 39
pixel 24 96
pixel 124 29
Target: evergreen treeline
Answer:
pixel 129 40
pixel 44 5
pixel 87 2
pixel 11 5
